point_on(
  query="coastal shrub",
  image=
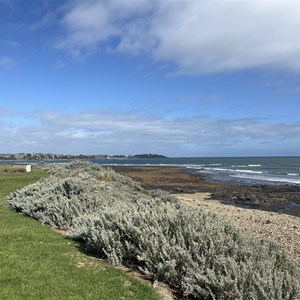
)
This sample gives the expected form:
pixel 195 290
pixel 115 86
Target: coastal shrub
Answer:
pixel 163 196
pixel 85 169
pixel 195 252
pixel 58 201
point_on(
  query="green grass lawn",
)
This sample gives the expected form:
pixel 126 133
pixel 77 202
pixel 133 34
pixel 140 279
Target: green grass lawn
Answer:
pixel 38 263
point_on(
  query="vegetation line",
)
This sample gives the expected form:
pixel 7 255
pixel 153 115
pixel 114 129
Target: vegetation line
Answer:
pixel 37 263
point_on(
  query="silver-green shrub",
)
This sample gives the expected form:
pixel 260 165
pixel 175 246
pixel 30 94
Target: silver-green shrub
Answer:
pixel 195 252
pixel 85 169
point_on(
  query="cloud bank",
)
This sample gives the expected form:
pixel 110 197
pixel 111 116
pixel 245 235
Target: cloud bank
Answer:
pixel 194 36
pixel 116 133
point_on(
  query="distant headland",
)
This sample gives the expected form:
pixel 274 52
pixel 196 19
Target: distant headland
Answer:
pixel 147 156
pixel 51 156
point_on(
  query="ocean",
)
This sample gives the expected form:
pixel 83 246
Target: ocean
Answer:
pixel 230 170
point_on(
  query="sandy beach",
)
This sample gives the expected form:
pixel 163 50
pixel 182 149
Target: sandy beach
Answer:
pixel 267 211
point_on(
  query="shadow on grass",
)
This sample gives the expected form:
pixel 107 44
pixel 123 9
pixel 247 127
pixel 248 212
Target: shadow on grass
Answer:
pixel 131 268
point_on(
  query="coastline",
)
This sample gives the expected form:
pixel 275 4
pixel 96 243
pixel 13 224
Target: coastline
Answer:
pixel 263 210
pixel 274 198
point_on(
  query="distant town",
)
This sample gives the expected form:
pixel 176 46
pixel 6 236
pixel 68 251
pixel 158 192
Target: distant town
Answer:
pixel 50 156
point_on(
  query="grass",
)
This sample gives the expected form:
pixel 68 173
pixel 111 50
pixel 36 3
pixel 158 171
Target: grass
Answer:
pixel 38 263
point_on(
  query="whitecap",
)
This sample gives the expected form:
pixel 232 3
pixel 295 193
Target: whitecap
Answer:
pixel 248 171
pixel 273 179
pixel 239 166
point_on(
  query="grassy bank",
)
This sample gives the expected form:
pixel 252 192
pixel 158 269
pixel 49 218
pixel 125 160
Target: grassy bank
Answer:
pixel 37 263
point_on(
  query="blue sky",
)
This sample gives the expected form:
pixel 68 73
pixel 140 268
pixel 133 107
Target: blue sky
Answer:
pixel 180 78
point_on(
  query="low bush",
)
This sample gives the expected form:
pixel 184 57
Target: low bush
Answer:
pixel 195 252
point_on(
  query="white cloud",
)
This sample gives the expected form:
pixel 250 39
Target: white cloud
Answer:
pixel 115 133
pixel 195 36
pixel 91 22
pixel 213 36
pixel 7 62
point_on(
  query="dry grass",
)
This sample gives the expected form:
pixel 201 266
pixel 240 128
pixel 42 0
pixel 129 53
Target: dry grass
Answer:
pixel 7 168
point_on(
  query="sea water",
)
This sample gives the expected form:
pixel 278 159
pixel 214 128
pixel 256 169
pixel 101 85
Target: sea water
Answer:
pixel 233 170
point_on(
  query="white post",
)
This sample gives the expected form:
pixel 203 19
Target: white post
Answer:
pixel 28 168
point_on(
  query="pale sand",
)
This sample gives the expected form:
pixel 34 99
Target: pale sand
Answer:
pixel 279 227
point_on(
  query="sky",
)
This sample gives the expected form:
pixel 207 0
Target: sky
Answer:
pixel 173 77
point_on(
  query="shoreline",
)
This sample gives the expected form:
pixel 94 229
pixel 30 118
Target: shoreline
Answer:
pixel 274 198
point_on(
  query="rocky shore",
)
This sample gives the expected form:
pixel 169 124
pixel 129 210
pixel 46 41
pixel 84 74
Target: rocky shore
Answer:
pixel 279 198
